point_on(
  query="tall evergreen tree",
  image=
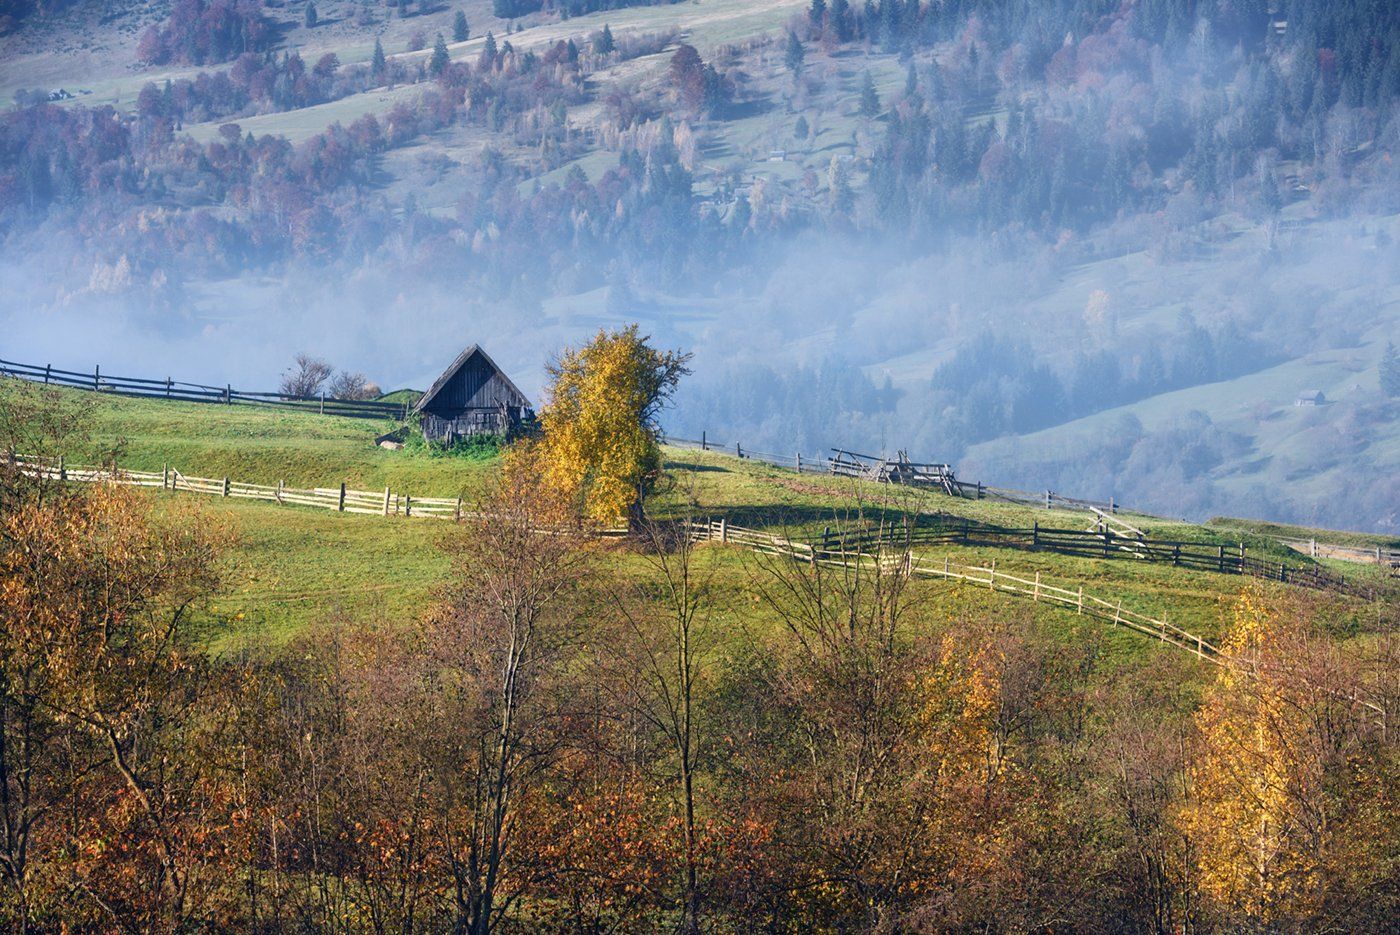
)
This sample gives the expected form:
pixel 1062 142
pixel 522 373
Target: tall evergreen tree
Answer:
pixel 461 32
pixel 310 18
pixel 869 97
pixel 840 19
pixel 816 14
pixel 487 60
pixel 378 65
pixel 795 54
pixel 603 43
pixel 1390 370
pixel 440 59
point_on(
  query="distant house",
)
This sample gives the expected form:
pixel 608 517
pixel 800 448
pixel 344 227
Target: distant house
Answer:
pixel 472 397
pixel 1310 398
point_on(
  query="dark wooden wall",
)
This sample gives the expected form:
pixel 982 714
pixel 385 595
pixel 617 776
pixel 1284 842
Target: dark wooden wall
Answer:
pixel 477 385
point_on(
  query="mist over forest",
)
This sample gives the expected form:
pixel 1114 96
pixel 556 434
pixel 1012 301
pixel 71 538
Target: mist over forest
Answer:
pixel 1095 246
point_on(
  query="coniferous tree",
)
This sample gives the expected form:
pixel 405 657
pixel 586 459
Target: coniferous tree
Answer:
pixel 440 59
pixel 816 14
pixel 840 19
pixel 489 51
pixel 461 32
pixel 1390 370
pixel 869 97
pixel 795 54
pixel 310 18
pixel 603 43
pixel 378 65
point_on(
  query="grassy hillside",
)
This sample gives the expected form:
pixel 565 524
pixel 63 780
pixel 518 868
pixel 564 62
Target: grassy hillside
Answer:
pixel 290 567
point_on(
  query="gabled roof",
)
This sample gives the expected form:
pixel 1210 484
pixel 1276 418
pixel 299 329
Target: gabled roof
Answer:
pixel 458 364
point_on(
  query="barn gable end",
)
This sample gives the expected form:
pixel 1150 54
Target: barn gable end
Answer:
pixel 473 396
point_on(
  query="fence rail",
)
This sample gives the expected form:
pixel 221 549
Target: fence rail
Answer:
pixel 840 464
pixel 342 499
pixel 1101 542
pixel 851 551
pixel 1387 558
pixel 200 393
pixel 901 560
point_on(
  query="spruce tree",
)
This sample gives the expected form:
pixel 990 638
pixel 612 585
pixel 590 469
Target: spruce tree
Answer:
pixel 310 19
pixel 440 59
pixel 378 65
pixel 795 54
pixel 603 43
pixel 816 15
pixel 1390 370
pixel 487 61
pixel 461 32
pixel 869 98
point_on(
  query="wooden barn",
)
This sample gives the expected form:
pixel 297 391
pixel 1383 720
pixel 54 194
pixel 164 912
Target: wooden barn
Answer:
pixel 472 397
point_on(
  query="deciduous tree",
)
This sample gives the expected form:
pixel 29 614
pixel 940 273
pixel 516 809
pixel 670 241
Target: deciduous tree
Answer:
pixel 600 430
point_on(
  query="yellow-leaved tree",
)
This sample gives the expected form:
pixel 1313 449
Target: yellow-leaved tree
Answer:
pixel 1291 773
pixel 600 431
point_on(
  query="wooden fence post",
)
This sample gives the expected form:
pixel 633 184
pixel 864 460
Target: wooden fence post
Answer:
pixel 979 490
pixel 62 471
pixel 226 486
pixel 165 477
pixel 386 501
pixel 323 404
pixel 168 384
pixel 723 529
pixel 797 459
pixel 281 485
pixel 457 516
pixel 228 394
pixel 341 505
pixel 407 504
pixel 704 442
pixel 48 369
pixel 738 450
pixel 97 377
pixel 1220 559
pixel 1047 499
pixel 1111 506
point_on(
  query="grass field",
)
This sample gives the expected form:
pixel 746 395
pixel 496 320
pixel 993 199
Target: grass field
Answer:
pixel 290 567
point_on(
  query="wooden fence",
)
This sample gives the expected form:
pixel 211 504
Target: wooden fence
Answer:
pixel 846 464
pixel 1386 558
pixel 902 561
pixel 1101 542
pixel 200 393
pixel 853 551
pixel 342 499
